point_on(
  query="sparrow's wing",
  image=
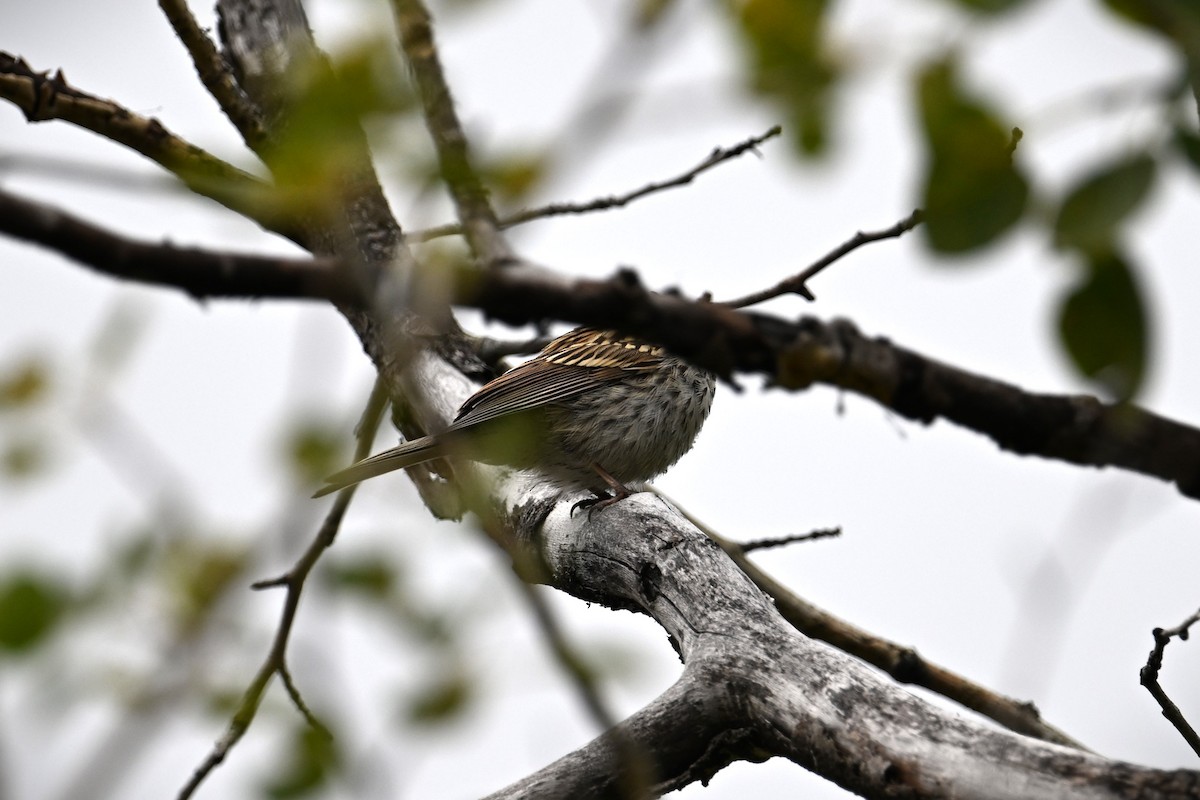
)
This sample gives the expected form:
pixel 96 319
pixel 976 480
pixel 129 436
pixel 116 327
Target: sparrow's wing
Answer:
pixel 572 364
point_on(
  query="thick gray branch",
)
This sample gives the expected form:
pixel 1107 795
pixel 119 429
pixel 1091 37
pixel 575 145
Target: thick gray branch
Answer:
pixel 753 687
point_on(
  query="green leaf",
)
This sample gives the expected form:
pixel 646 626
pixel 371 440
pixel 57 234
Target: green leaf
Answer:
pixel 370 576
pixel 784 41
pixel 443 700
pixel 24 383
pixel 322 136
pixel 23 456
pixel 973 192
pixel 1188 145
pixel 314 448
pixel 1095 207
pixel 30 607
pixel 1104 326
pixel 990 6
pixel 313 756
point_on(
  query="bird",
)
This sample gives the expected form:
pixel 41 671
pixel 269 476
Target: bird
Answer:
pixel 593 409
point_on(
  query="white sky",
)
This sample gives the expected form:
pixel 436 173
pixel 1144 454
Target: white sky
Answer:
pixel 1037 579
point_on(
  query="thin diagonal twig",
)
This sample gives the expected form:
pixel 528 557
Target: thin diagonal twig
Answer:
pixel 276 660
pixel 797 284
pixel 1149 679
pixel 780 541
pixel 717 156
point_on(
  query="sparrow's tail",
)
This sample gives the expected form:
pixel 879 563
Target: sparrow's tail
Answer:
pixel 408 454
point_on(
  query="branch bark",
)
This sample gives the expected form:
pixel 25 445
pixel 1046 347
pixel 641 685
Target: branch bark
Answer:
pixel 201 273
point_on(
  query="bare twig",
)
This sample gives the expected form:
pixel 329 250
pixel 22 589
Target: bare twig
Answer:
pixel 902 663
pixel 1149 679
pixel 717 156
pixel 214 72
pixel 200 273
pixel 276 660
pixel 797 284
pixel 42 97
pixel 780 541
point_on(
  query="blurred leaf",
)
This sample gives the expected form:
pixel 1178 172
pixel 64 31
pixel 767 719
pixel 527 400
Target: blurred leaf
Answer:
pixel 322 138
pixel 122 328
pixel 514 177
pixel 989 6
pixel 973 191
pixel 30 607
pixel 314 448
pixel 785 42
pixel 312 758
pixel 1188 144
pixel 648 13
pixel 443 700
pixel 369 576
pixel 1178 21
pixel 24 383
pixel 198 574
pixel 23 456
pixel 1103 325
pixel 1096 206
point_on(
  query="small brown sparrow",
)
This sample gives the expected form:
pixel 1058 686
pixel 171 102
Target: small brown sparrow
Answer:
pixel 593 409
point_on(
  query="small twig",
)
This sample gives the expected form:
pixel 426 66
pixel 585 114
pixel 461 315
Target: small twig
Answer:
pixel 214 72
pixel 903 663
pixel 718 156
pixel 276 660
pixel 285 675
pixel 1149 679
pixel 780 541
pixel 797 283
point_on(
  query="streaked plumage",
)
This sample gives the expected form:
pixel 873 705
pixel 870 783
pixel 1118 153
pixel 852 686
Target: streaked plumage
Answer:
pixel 591 406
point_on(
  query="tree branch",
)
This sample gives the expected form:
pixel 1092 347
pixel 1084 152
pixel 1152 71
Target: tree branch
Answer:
pixel 200 273
pixel 1077 429
pixel 904 664
pixel 475 212
pixel 276 660
pixel 752 687
pixel 41 98
pixel 214 73
pixel 798 284
pixel 718 156
pixel 1149 679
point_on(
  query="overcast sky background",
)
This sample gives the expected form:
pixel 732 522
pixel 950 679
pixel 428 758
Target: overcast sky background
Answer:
pixel 1037 579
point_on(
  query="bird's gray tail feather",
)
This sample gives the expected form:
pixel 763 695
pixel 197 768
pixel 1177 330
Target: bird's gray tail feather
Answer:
pixel 408 454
